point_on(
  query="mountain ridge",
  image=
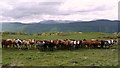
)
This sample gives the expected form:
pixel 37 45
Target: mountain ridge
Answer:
pixel 108 26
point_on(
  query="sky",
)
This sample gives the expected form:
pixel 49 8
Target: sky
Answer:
pixel 27 11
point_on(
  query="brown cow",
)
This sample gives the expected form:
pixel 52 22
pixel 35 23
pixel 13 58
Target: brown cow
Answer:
pixel 91 43
pixel 66 44
pixel 57 44
pixel 31 42
pixel 26 44
pixel 6 43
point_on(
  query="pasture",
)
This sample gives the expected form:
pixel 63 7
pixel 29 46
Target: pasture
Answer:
pixel 79 57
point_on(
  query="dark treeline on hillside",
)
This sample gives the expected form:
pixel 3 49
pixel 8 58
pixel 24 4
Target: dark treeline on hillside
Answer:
pixel 76 26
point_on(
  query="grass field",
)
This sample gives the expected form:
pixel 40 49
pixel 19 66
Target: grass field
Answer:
pixel 80 57
pixel 71 35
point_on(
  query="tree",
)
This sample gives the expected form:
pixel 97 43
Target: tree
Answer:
pixel 21 32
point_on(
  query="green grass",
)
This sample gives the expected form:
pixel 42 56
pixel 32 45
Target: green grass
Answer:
pixel 83 57
pixel 71 35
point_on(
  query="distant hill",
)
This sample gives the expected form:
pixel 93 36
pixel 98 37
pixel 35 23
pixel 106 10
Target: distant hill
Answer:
pixel 63 26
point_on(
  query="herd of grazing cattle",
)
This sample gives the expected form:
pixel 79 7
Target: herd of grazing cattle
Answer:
pixel 56 44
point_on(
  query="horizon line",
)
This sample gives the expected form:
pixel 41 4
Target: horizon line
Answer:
pixel 55 20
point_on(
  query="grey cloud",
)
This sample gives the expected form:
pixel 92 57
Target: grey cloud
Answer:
pixel 50 3
pixel 28 9
pixel 98 8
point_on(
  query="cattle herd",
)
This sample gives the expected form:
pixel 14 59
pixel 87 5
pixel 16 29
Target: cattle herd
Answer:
pixel 56 44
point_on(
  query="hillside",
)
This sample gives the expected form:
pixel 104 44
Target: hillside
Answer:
pixel 63 26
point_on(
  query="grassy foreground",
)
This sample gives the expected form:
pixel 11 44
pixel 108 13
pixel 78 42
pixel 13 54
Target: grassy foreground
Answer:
pixel 80 57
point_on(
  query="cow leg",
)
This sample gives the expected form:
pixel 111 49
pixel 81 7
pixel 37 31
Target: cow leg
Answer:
pixel 26 46
pixel 5 46
pixel 72 46
pixel 44 47
pixel 76 46
pixel 33 46
pixel 102 46
pixel 86 46
pixel 108 46
pixel 18 46
pixel 39 47
pixel 2 45
pixel 63 47
pixel 29 46
pixel 89 46
pixel 94 46
pixel 10 46
pixel 69 47
pixel 58 46
pixel 13 45
pixel 82 45
pixel 51 47
pixel 47 47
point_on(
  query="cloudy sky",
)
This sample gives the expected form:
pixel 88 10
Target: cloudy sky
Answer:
pixel 39 10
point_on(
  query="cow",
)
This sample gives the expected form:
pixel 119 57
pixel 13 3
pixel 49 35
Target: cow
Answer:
pixel 96 43
pixel 40 45
pixel 91 43
pixel 65 44
pixel 78 43
pixel 49 44
pixel 14 42
pixel 26 44
pixel 31 42
pixel 57 44
pixel 107 43
pixel 6 43
pixel 19 43
pixel 86 43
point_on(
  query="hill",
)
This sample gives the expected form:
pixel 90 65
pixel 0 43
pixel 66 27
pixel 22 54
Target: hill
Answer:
pixel 63 26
